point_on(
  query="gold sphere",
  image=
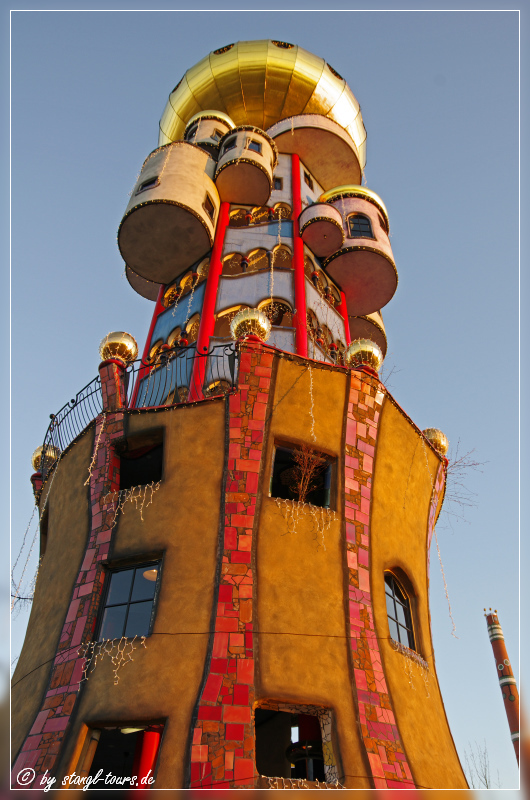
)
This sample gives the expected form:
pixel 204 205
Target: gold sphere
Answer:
pixel 364 351
pixel 120 345
pixel 438 439
pixel 250 321
pixel 38 460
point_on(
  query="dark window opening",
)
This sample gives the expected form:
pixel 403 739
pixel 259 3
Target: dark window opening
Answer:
pixel 309 180
pixel 209 207
pixel 129 602
pixel 43 532
pixel 278 184
pixel 192 131
pixel 149 184
pixel 288 745
pixel 360 227
pixel 229 144
pixel 141 459
pixel 398 612
pixel 216 135
pixel 253 145
pixel 115 753
pixel 301 473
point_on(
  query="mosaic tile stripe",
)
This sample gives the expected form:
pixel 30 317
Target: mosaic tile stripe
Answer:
pixel 388 764
pixel 222 749
pixel 41 748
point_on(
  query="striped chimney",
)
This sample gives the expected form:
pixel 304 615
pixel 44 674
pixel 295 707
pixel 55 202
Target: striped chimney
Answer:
pixel 510 695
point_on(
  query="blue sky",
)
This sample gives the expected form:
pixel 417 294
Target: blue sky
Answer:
pixel 439 97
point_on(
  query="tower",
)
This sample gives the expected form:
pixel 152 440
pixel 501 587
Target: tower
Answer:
pixel 235 529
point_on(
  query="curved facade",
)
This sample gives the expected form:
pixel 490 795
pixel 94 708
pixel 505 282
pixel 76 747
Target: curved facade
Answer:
pixel 233 590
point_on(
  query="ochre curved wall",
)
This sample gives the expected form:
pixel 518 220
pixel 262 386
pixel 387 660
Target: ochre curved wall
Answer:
pixel 163 680
pixel 405 470
pixel 68 527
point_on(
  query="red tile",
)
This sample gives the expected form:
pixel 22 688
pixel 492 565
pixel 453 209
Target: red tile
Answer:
pixel 247 465
pixel 242 520
pixel 243 769
pixel 226 624
pixel 241 694
pixel 235 732
pixel 211 689
pixel 225 594
pixel 213 713
pixel 240 714
pixel 230 538
pixel 220 645
pixel 245 670
pixel 252 482
pixel 240 557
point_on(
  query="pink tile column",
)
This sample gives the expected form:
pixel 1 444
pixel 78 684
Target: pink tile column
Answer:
pixel 42 746
pixel 222 749
pixel 379 731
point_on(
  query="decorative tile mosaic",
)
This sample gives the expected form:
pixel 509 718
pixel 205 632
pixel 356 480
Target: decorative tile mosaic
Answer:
pixel 41 749
pixel 223 750
pixel 388 764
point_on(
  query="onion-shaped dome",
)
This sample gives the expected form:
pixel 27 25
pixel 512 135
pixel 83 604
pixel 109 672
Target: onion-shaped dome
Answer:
pixel 438 439
pixel 369 326
pixel 321 229
pixel 145 288
pixel 259 83
pixel 363 352
pixel 44 456
pixel 120 345
pixel 250 322
pixel 364 266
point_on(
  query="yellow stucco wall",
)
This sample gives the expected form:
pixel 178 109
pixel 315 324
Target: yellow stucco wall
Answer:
pixel 303 649
pixel 162 682
pixel 68 527
pixel 405 470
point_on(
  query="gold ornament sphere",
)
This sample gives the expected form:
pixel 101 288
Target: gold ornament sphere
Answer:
pixel 438 439
pixel 120 345
pixel 364 351
pixel 38 460
pixel 250 322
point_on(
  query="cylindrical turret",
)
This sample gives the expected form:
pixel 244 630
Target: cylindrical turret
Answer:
pixel 509 692
pixel 247 159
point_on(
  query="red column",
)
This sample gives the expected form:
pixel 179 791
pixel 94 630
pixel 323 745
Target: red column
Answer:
pixel 510 695
pixel 343 311
pixel 207 323
pixel 147 757
pixel 299 319
pixel 159 307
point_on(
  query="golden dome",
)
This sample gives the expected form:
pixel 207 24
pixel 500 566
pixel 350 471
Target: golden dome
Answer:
pixel 250 322
pixel 363 351
pixel 438 439
pixel 120 345
pixel 259 83
pixel 52 454
pixel 355 191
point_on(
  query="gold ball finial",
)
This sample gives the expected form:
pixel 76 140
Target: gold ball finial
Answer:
pixel 39 459
pixel 250 322
pixel 438 439
pixel 364 352
pixel 120 345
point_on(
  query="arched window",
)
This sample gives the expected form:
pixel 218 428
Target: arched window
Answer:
pixel 360 227
pixel 398 612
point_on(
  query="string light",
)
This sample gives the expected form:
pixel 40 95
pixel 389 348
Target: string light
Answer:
pixel 311 404
pixel 134 494
pixel 103 415
pixel 294 510
pixel 118 650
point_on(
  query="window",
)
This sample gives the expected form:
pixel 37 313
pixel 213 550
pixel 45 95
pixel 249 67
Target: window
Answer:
pixel 253 145
pixel 121 749
pixel 398 611
pixel 216 135
pixel 301 473
pixel 288 745
pixel 141 459
pixel 229 144
pixel 360 227
pixel 209 207
pixel 308 179
pixel 278 184
pixel 192 132
pixel 148 184
pixel 129 602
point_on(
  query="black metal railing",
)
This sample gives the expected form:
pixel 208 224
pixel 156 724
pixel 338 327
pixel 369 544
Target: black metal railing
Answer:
pixel 177 375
